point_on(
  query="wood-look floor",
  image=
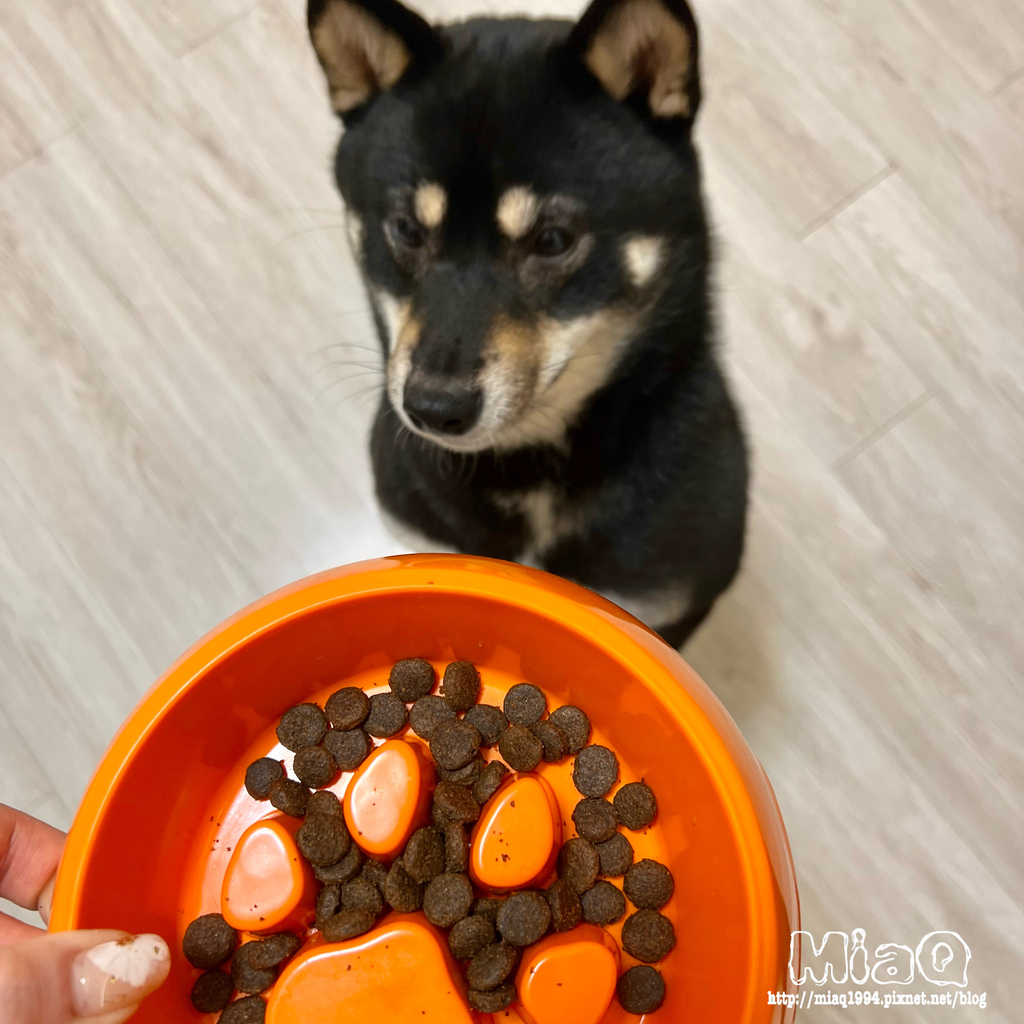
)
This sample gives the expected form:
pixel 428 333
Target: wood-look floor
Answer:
pixel 187 373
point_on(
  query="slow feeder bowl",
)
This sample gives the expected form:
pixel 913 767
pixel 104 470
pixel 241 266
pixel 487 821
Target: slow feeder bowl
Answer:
pixel 151 842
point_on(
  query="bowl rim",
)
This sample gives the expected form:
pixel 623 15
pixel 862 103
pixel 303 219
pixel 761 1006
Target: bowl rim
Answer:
pixel 742 785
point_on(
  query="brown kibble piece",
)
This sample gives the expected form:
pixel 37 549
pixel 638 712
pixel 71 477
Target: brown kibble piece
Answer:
pixel 578 864
pixel 595 819
pixel 641 989
pixel 289 797
pixel 464 776
pixel 349 747
pixel 402 891
pixel 346 868
pixel 556 746
pixel 574 723
pixel 595 770
pixel 603 903
pixel 328 902
pixel 250 1010
pixel 454 744
pixel 314 767
pixel 411 679
pixel 616 855
pixel 347 708
pixel 302 726
pixel 347 924
pixel 376 871
pixel 273 950
pixel 388 716
pixel 361 894
pixel 247 978
pixel 424 856
pixel 259 776
pixel 566 909
pixel 469 936
pixel 491 966
pixel 447 899
pixel 323 839
pixel 212 991
pixel 454 805
pixel 456 849
pixel 524 918
pixel 648 936
pixel 636 805
pixel 489 720
pixel 648 884
pixel 525 704
pixel 487 906
pixel 493 1001
pixel 209 941
pixel 460 685
pixel 490 779
pixel 428 713
pixel 520 749
pixel 325 802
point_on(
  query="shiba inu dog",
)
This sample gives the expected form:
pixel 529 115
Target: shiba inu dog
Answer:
pixel 524 200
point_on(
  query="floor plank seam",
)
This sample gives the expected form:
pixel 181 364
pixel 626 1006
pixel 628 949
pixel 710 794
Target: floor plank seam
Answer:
pixel 226 26
pixel 1005 84
pixel 847 201
pixel 881 430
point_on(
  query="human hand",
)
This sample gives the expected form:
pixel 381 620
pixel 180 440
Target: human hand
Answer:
pixel 98 976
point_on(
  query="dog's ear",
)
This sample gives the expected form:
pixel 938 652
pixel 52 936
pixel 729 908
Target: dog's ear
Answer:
pixel 366 46
pixel 643 49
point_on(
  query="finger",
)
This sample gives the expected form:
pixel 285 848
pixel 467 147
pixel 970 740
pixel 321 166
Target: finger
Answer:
pixel 66 977
pixel 12 930
pixel 46 900
pixel 29 853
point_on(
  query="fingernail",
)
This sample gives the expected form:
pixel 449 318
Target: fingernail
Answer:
pixel 118 974
pixel 45 905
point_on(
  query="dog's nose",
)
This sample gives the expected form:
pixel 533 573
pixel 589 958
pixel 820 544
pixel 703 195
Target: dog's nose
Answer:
pixel 443 406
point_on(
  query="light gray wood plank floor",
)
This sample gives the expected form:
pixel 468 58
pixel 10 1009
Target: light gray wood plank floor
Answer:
pixel 187 371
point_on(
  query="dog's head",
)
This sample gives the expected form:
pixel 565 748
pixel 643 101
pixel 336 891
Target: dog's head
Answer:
pixel 521 196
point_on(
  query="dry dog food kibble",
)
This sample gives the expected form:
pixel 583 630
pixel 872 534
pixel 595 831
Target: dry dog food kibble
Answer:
pixel 376 871
pixel 428 713
pixel 289 797
pixel 465 776
pixel 566 909
pixel 494 1001
pixel 487 907
pixel 648 885
pixel 454 744
pixel 454 805
pixel 387 716
pixel 249 979
pixel 595 770
pixel 469 936
pixel 524 918
pixel 490 779
pixel 347 924
pixel 520 749
pixel 595 819
pixel 346 868
pixel 411 679
pixel 259 776
pixel 574 723
pixel 324 802
pixel 525 704
pixel 250 1010
pixel 273 950
pixel 579 864
pixel 348 747
pixel 314 767
pixel 489 721
pixel 616 855
pixel 302 726
pixel 361 894
pixel 402 892
pixel 603 903
pixel 553 740
pixel 447 899
pixel 424 856
pixel 456 849
pixel 209 941
pixel 212 991
pixel 347 708
pixel 492 966
pixel 636 805
pixel 323 839
pixel 460 685
pixel 328 902
pixel 648 936
pixel 640 990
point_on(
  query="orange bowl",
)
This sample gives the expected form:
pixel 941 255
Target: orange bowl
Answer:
pixel 149 847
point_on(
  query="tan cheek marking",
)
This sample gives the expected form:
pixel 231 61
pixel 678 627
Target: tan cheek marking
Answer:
pixel 517 211
pixel 644 256
pixel 431 203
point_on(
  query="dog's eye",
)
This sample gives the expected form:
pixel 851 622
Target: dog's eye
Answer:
pixel 552 242
pixel 406 232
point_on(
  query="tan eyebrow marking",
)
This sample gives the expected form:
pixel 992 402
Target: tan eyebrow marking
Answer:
pixel 644 256
pixel 431 204
pixel 517 211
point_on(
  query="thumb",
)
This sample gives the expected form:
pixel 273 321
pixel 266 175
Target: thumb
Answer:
pixel 99 976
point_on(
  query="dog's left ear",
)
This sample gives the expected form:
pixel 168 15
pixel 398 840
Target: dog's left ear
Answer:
pixel 642 48
pixel 366 46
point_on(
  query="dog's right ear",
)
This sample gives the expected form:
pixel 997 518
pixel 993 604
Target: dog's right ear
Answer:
pixel 366 46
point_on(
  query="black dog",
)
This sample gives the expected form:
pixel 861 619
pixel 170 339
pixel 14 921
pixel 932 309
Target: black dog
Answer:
pixel 525 202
